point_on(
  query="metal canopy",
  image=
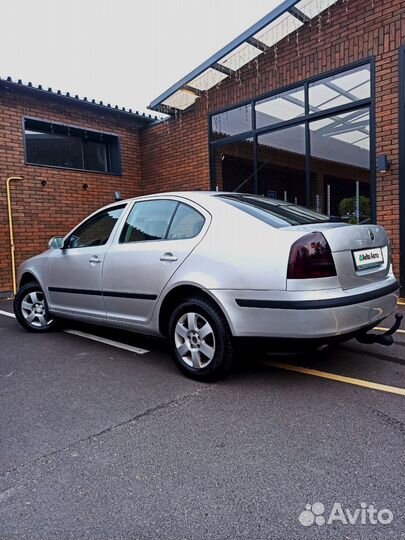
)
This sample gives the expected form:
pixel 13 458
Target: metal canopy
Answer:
pixel 275 26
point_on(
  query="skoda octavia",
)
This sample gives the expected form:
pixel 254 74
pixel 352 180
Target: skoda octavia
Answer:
pixel 204 268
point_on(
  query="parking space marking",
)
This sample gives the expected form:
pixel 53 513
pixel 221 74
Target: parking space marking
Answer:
pixel 117 344
pixel 6 313
pixel 106 341
pixel 385 329
pixel 339 378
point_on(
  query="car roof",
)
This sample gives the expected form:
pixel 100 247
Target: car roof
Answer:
pixel 198 196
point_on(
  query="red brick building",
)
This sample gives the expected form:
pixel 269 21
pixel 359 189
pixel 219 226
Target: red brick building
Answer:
pixel 43 135
pixel 307 105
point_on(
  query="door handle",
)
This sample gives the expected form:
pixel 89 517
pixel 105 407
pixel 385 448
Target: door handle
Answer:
pixel 94 259
pixel 168 257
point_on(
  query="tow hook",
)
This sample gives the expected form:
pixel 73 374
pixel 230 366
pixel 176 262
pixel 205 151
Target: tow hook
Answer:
pixel 383 339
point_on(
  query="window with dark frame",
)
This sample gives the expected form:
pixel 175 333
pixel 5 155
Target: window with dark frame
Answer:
pixel 161 219
pixel 97 230
pixel 55 145
pixel 311 145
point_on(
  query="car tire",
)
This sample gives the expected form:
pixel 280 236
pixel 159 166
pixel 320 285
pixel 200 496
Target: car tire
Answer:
pixel 200 340
pixel 31 309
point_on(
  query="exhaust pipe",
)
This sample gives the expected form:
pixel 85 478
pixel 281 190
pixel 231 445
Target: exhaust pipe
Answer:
pixel 383 339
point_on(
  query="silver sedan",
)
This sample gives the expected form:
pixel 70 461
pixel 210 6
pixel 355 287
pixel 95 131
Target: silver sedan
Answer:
pixel 205 268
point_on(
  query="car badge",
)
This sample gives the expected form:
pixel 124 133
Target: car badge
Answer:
pixel 371 234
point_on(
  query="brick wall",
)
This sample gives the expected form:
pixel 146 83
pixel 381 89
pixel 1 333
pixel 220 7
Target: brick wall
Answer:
pixel 175 155
pixel 43 211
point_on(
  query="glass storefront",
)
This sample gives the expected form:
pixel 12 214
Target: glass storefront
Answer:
pixel 234 166
pixel 281 164
pixel 340 165
pixel 309 145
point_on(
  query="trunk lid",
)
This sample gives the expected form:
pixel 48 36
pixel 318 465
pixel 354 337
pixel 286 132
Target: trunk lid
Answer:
pixel 351 244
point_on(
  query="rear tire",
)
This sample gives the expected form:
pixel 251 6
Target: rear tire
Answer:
pixel 31 309
pixel 200 340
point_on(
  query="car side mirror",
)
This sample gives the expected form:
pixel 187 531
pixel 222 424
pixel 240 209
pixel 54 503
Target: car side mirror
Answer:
pixel 56 242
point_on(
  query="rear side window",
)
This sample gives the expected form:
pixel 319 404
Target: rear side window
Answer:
pixel 96 230
pixel 148 220
pixel 161 220
pixel 186 223
pixel 276 213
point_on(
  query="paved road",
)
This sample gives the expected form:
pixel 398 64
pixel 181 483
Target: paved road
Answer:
pixel 98 442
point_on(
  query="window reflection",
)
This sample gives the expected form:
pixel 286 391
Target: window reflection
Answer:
pixel 340 165
pixel 281 164
pixel 279 108
pixel 331 153
pixel 340 89
pixel 234 166
pixel 56 145
pixel 232 122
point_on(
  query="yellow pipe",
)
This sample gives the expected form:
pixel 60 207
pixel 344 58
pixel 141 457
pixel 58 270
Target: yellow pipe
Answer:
pixel 10 221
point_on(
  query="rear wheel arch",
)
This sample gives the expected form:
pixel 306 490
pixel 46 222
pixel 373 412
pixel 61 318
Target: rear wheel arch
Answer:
pixel 180 293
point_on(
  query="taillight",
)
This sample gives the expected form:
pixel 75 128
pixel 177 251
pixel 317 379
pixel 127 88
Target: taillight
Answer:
pixel 311 257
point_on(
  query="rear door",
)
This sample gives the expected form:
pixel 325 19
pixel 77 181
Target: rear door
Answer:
pixel 158 235
pixel 74 273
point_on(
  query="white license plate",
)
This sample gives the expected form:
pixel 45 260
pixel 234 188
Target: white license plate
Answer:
pixel 367 258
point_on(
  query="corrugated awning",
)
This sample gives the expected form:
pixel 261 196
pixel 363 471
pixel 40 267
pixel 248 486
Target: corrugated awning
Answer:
pixel 287 18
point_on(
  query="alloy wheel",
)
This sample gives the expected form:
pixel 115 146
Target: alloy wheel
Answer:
pixel 34 310
pixel 194 340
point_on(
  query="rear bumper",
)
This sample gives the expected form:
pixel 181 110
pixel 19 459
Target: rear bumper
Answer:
pixel 307 314
pixel 326 303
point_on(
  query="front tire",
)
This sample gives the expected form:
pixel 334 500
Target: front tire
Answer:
pixel 31 309
pixel 200 340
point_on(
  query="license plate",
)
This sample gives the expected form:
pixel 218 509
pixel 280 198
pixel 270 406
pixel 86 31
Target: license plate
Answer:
pixel 367 258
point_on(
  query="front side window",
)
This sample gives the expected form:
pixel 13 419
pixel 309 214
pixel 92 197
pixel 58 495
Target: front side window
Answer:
pixel 96 230
pixel 55 145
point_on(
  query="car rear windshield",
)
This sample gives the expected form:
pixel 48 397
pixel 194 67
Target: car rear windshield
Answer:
pixel 273 212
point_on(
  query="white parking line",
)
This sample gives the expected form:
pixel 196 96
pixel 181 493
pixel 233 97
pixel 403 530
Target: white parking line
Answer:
pixel 117 344
pixel 6 313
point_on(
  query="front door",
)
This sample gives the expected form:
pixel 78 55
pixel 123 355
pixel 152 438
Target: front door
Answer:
pixel 74 272
pixel 156 238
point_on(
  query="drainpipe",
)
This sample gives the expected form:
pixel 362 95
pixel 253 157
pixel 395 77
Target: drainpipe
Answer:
pixel 10 221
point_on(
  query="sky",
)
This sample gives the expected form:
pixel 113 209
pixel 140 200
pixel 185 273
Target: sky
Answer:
pixel 124 52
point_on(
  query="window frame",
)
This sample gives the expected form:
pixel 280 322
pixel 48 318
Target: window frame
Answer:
pixel 305 119
pixel 178 203
pixel 66 239
pixel 118 159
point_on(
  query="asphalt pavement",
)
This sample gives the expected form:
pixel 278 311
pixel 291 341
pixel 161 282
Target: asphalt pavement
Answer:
pixel 101 442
